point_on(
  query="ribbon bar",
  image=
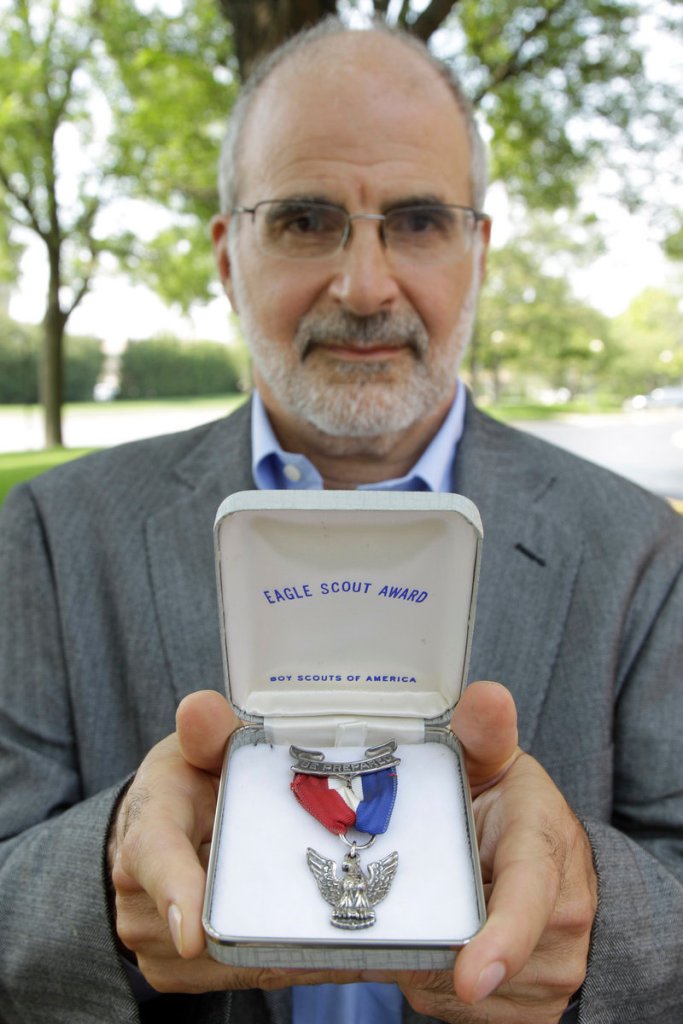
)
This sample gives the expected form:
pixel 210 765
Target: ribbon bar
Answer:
pixel 312 762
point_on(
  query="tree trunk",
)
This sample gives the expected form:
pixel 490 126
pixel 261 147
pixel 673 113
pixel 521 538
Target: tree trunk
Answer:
pixel 431 19
pixel 51 388
pixel 258 26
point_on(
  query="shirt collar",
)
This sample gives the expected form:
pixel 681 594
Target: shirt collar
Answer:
pixel 275 469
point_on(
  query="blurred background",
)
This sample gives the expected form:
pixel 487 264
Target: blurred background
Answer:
pixel 112 325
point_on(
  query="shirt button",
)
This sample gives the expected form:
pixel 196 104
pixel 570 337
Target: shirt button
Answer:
pixel 292 472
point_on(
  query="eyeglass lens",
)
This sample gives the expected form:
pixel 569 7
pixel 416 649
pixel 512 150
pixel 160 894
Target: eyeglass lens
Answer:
pixel 308 230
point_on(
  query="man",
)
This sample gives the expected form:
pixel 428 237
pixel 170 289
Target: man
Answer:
pixel 351 243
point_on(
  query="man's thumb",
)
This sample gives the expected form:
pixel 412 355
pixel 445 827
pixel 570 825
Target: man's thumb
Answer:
pixel 485 722
pixel 204 721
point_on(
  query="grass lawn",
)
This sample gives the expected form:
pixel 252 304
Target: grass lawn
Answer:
pixel 18 466
pixel 512 411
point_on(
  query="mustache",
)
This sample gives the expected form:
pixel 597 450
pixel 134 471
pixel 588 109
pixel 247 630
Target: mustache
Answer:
pixel 390 330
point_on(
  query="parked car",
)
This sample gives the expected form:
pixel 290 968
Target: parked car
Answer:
pixel 661 398
pixel 105 391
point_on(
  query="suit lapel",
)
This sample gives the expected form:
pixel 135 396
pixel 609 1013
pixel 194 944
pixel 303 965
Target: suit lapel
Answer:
pixel 179 543
pixel 529 563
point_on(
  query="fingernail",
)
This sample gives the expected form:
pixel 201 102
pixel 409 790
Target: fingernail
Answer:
pixel 175 926
pixel 489 980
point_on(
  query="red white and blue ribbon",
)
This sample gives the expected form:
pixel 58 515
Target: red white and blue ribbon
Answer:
pixel 364 802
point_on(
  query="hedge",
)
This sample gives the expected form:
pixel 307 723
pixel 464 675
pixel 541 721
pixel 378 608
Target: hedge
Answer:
pixel 20 346
pixel 169 368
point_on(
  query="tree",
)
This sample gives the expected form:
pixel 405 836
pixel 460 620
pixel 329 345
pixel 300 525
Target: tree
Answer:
pixel 176 82
pixel 531 328
pixel 42 87
pixel 650 332
pixel 10 253
pixel 560 83
pixel 64 80
pixel 259 26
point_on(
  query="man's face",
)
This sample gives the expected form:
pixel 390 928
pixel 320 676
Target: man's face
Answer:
pixel 356 345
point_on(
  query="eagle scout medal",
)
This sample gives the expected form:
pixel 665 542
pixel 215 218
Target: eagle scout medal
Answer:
pixel 343 795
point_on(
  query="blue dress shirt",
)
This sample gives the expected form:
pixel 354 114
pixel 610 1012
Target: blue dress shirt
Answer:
pixel 275 469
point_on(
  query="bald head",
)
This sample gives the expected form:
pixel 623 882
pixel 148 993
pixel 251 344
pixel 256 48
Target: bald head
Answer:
pixel 328 59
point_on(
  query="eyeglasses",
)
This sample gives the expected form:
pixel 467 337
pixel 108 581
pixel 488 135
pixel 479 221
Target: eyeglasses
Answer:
pixel 310 230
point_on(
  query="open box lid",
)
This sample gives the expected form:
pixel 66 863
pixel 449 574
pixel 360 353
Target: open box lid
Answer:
pixel 346 615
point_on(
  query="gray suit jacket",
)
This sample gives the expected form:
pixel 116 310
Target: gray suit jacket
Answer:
pixel 108 617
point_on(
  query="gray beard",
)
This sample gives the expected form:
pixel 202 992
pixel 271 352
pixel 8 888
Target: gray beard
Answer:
pixel 352 399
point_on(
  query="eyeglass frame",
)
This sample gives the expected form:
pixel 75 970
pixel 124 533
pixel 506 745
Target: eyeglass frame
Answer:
pixel 380 218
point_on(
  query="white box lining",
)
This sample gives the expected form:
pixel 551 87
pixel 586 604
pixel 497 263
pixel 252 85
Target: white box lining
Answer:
pixel 263 889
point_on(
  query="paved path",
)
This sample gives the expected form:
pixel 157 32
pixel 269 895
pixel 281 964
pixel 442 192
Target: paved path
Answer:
pixel 100 427
pixel 645 446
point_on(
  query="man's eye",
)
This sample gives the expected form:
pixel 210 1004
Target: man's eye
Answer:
pixel 421 220
pixel 303 220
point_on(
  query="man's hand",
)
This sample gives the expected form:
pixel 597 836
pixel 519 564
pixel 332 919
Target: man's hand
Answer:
pixel 158 850
pixel 530 956
pixel 522 968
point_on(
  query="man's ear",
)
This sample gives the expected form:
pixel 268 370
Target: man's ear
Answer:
pixel 485 228
pixel 220 225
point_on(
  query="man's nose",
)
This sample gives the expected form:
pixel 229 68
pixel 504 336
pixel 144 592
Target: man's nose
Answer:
pixel 365 281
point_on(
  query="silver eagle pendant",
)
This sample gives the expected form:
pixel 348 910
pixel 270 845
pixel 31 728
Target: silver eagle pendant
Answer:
pixel 352 896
